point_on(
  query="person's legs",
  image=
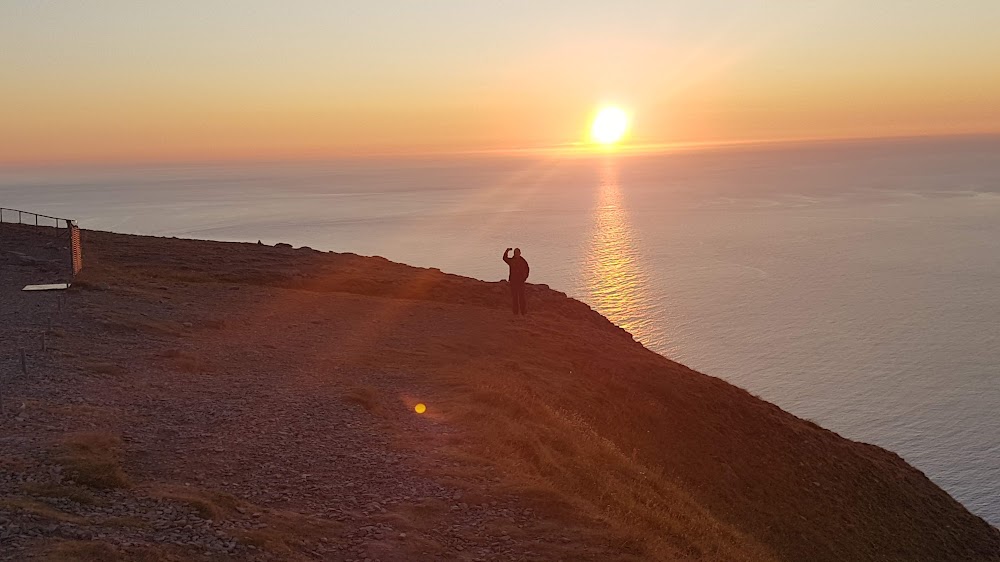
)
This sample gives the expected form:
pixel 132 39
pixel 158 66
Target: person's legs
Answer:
pixel 515 290
pixel 522 304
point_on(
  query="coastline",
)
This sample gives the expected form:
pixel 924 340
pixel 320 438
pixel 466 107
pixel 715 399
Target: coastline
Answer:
pixel 172 349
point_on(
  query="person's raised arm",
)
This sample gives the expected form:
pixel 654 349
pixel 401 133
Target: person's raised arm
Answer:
pixel 506 258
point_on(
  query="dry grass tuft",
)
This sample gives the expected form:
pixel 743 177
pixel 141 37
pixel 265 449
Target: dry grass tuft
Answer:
pixel 61 491
pixel 207 503
pixel 127 522
pixel 39 509
pixel 93 459
pixel 366 397
pixel 285 533
pixel 82 551
pixel 96 551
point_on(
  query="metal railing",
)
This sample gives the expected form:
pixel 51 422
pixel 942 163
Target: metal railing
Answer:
pixel 36 219
pixel 7 215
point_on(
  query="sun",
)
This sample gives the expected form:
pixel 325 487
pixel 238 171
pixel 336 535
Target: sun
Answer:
pixel 609 126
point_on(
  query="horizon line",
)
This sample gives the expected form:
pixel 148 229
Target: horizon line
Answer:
pixel 570 150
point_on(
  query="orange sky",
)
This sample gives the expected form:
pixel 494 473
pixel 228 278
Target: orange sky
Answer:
pixel 267 80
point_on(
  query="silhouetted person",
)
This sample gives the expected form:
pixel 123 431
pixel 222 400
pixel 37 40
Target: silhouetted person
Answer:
pixel 518 275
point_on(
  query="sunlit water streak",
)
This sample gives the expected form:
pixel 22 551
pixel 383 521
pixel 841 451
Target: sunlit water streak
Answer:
pixel 855 284
pixel 615 283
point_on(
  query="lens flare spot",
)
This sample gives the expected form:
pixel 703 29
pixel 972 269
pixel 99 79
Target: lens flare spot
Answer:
pixel 420 408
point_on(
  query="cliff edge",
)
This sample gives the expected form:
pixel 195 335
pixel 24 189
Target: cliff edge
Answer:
pixel 201 400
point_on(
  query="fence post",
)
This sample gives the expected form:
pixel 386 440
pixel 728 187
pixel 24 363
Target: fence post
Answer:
pixel 75 248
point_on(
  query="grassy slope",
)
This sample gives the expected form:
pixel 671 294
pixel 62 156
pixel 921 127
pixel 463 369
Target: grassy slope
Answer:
pixel 578 414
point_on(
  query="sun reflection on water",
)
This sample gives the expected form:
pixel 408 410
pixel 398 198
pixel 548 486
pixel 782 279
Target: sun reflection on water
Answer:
pixel 614 280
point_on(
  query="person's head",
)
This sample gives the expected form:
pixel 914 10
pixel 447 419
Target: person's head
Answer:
pixel 517 252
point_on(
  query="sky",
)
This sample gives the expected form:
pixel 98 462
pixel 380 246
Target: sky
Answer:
pixel 210 79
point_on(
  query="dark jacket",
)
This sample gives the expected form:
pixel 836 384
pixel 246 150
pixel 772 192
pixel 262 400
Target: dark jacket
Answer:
pixel 518 269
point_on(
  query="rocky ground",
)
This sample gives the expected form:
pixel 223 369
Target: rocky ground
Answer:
pixel 239 427
pixel 192 400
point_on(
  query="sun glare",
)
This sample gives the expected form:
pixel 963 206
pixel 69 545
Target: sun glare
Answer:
pixel 609 126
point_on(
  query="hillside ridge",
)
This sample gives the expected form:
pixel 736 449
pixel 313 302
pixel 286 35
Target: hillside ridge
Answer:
pixel 551 437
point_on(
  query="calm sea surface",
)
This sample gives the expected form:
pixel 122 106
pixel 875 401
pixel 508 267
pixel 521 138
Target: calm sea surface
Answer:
pixel 854 284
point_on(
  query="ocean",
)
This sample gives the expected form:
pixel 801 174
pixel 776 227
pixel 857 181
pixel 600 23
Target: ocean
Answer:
pixel 856 284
